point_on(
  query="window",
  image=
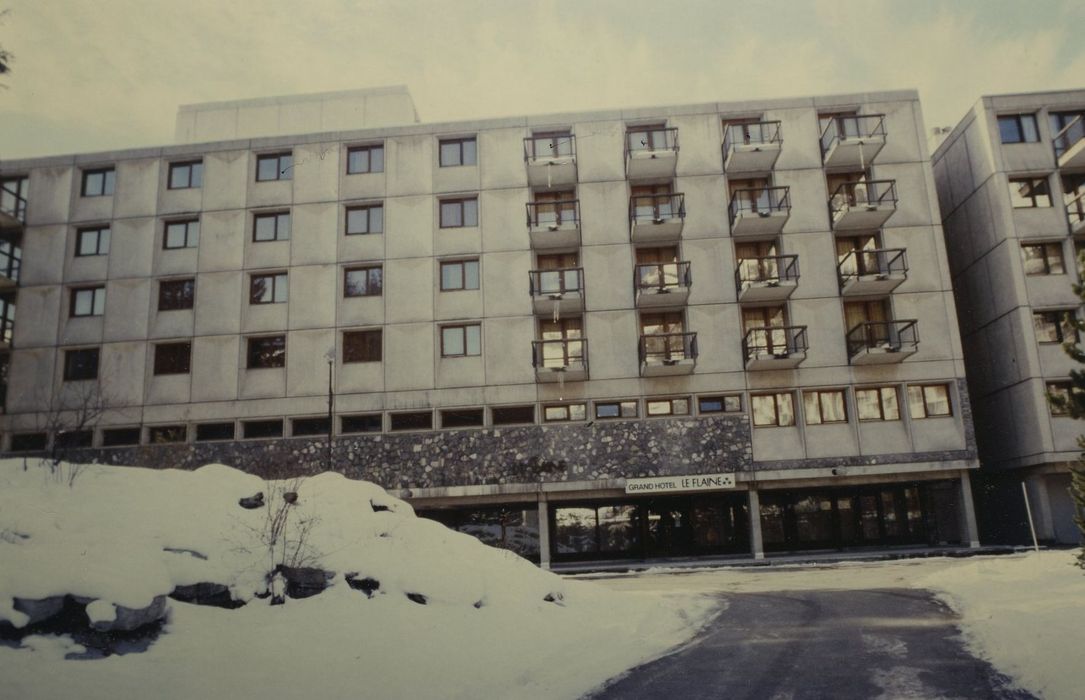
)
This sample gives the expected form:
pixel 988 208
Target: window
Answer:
pixel 667 407
pixel 462 418
pixel 1043 259
pixel 461 341
pixel 719 404
pixel 929 401
pixel 118 437
pixel 363 282
pixel 564 412
pixel 615 409
pixel 92 241
pixel 81 364
pixel 365 159
pixel 365 423
pixel 261 429
pixel 362 346
pixel 181 234
pixel 268 289
pixel 512 415
pixel 877 403
pixel 300 427
pixel 74 438
pixel 87 301
pixel 459 275
pixel 28 442
pixel 269 351
pixel 773 409
pixel 459 213
pixel 1018 128
pixel 1054 326
pixel 365 219
pixel 418 420
pixel 174 295
pixel 172 358
pixel 186 176
pixel 1060 392
pixel 1029 192
pixel 166 433
pixel 824 407
pixel 272 226
pixel 214 431
pixel 458 152
pixel 274 166
pixel 98 183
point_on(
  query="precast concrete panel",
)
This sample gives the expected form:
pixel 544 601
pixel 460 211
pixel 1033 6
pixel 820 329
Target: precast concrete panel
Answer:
pixel 360 311
pixel 82 330
pixel 268 193
pixel 83 268
pixel 88 209
pixel 128 303
pixel 258 120
pixel 902 132
pixel 313 296
pixel 604 208
pixel 778 443
pixel 259 318
pixel 409 288
pixel 507 353
pixel 361 186
pixel 263 383
pixel 501 158
pixel 600 151
pixel 613 354
pixel 884 437
pixel 307 363
pixel 43 247
pixel 219 296
pixel 699 138
pixel 177 201
pixel 409 357
pixel 176 261
pixel 50 190
pixel 409 162
pixel 223 237
pixel 167 388
pixel 913 206
pixel 316 173
pixel 461 371
pixel 711 268
pixel 42 305
pixel 799 130
pixel 505 224
pixel 225 180
pixel 313 233
pixel 831 440
pixel 458 241
pixel 358 377
pixel 177 323
pixel 818 272
pixel 136 188
pixel 505 285
pixel 608 276
pixel 458 305
pixel 410 226
pixel 131 248
pixel 825 332
pixel 31 378
pixel 706 206
pixel 809 200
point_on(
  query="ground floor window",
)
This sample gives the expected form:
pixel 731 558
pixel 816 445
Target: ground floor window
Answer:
pixel 514 526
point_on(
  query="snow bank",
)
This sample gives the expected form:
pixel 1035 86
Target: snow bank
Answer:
pixel 123 535
pixel 1025 614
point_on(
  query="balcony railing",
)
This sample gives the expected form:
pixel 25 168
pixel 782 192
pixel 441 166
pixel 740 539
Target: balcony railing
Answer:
pixel 11 256
pixel 654 139
pixel 1068 140
pixel 863 204
pixel 882 341
pixel 550 160
pixel 11 202
pixel 553 357
pixel 562 281
pixel 775 343
pixel 553 147
pixel 759 201
pixel 668 348
pixel 7 320
pixel 553 215
pixel 751 147
pixel 1075 213
pixel 661 277
pixel 657 208
pixel 770 270
pixel 865 127
pixel 881 264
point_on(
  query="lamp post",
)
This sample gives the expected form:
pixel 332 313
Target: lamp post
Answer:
pixel 330 357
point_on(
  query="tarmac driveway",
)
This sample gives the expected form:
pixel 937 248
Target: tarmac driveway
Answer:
pixel 888 643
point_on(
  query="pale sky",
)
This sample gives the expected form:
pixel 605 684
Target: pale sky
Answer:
pixel 93 75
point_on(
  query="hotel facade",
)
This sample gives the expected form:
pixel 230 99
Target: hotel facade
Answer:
pixel 715 329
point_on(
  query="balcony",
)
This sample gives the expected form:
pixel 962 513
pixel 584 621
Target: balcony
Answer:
pixel 852 142
pixel 661 284
pixel 550 160
pixel 774 347
pixel 882 342
pixel 10 262
pixel 771 278
pixel 872 272
pixel 665 354
pixel 656 218
pixel 751 148
pixel 863 205
pixel 554 225
pixel 1075 214
pixel 759 211
pixel 651 153
pixel 560 360
pixel 7 322
pixel 1070 144
pixel 12 205
pixel 556 293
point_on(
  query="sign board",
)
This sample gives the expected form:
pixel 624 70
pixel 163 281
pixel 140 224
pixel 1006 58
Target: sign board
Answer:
pixel 671 484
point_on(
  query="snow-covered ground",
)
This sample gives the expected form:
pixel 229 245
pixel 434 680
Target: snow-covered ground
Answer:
pixel 122 536
pixel 1025 613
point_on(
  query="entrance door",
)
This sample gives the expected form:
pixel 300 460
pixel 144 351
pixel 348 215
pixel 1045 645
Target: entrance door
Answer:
pixel 668 528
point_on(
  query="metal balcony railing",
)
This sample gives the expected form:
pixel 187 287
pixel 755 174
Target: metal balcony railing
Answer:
pixel 1075 210
pixel 759 133
pixel 656 208
pixel 553 214
pixel 885 335
pixel 11 202
pixel 668 347
pixel 661 277
pixel 559 354
pixel 561 281
pixel 843 127
pixel 1069 135
pixel 11 260
pixel 863 193
pixel 546 147
pixel 770 269
pixel 759 201
pixel 639 140
pixel 7 320
pixel 875 261
pixel 778 341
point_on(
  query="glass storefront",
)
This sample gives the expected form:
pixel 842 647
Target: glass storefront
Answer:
pixel 514 527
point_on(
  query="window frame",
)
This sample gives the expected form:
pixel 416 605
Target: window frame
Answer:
pixel 881 418
pixel 923 394
pixel 96 231
pixel 350 353
pixel 463 209
pixel 191 234
pixel 309 423
pixel 459 141
pixel 723 400
pixel 820 395
pixel 194 178
pixel 1018 121
pixel 464 329
pixel 278 228
pixel 279 280
pixel 263 423
pixel 670 401
pixel 1061 322
pixel 1045 257
pixel 162 360
pixel 109 182
pixel 463 265
pixel 368 209
pixel 464 412
pixel 343 430
pixel 179 429
pixel 567 409
pixel 94 301
pixel 1034 196
pixel 212 427
pixel 776 401
pixel 368 270
pixel 392 428
pixel 368 149
pixel 621 405
pixel 1060 387
pixel 276 357
pixel 70 364
pixel 187 301
pixel 282 172
pixel 503 421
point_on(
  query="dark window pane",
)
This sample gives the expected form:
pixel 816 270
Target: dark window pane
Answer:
pixel 422 420
pixel 28 442
pixel 81 364
pixel 511 415
pixel 362 346
pixel 116 437
pixel 166 433
pixel 262 428
pixel 176 294
pixel 462 418
pixel 310 426
pixel 74 438
pixel 172 358
pixel 267 352
pixel 369 423
pixel 214 431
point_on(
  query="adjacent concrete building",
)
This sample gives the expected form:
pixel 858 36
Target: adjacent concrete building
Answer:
pixel 1011 182
pixel 722 328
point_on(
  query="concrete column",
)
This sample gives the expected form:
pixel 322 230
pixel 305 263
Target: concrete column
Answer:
pixel 968 512
pixel 1040 500
pixel 544 532
pixel 756 545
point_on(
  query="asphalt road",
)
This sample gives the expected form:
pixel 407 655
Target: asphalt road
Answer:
pixel 887 643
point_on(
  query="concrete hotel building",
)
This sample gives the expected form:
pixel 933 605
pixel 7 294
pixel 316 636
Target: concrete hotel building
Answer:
pixel 1011 182
pixel 518 322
